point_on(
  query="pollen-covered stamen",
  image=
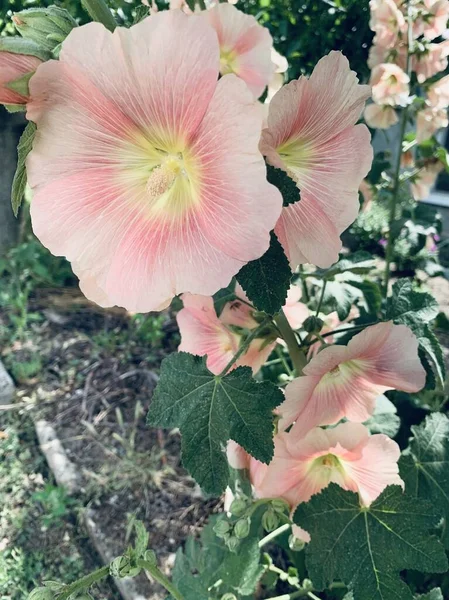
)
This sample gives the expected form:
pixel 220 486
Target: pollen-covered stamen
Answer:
pixel 163 177
pixel 227 61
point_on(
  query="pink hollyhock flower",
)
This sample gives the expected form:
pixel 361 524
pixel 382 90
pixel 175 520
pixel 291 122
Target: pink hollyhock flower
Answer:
pixel 436 22
pixel 431 62
pixel 245 46
pixel 311 135
pixel 390 85
pixel 12 67
pixel 346 455
pixel 238 457
pixel 428 121
pixel 344 381
pixel 438 93
pixel 380 117
pixel 295 311
pixel 278 78
pixel 145 170
pixel 425 181
pixel 377 55
pixel 387 21
pixel 203 333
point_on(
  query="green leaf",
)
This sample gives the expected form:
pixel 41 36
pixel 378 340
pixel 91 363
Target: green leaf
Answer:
pixel 424 466
pixel 266 280
pixel 410 307
pixel 202 564
pixel 20 177
pixel 435 594
pixel 416 310
pixel 385 419
pixel 360 263
pixel 371 292
pixel 366 548
pixel 210 410
pixel 285 184
pixel 223 296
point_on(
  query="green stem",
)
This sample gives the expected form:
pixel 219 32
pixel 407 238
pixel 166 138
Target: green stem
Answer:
pixel 245 345
pixel 320 302
pixel 99 11
pixel 274 534
pixel 284 362
pixel 305 289
pixel 397 172
pixel 84 583
pixel 298 357
pixel 344 330
pixel 157 574
pixel 292 596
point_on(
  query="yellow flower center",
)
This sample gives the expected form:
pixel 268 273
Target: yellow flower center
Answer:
pixel 298 156
pixel 228 62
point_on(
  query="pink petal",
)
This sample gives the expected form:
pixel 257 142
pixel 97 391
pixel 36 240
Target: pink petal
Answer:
pixel 376 468
pixel 241 36
pixel 238 458
pixel 14 66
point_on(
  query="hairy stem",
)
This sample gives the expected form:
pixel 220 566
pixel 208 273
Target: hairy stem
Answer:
pixel 157 574
pixel 274 534
pixel 245 345
pixel 397 172
pixel 320 302
pixel 84 583
pixel 99 11
pixel 296 354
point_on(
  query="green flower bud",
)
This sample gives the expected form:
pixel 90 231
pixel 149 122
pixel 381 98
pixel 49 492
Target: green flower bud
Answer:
pixel 238 507
pixel 150 556
pixel 229 597
pixel 221 527
pixel 48 27
pixel 280 506
pixel 42 593
pixel 233 543
pixel 242 527
pixel 313 324
pixel 295 544
pixel 270 520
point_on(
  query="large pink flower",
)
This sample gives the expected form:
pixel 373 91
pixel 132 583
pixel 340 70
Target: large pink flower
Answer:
pixel 346 455
pixel 245 46
pixel 12 67
pixel 311 135
pixel 145 170
pixel 344 381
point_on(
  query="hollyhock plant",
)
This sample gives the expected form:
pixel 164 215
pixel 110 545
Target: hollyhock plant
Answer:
pixel 145 170
pixel 428 121
pixel 344 381
pixel 438 93
pixel 311 135
pixel 346 455
pixel 435 23
pixel 387 21
pixel 425 180
pixel 380 117
pixel 245 46
pixel 13 67
pixel 390 85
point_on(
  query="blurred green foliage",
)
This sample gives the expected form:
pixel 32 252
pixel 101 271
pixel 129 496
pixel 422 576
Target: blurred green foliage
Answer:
pixel 303 30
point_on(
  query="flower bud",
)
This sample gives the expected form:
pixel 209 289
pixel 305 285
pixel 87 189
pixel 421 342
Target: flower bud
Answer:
pixel 295 544
pixel 221 528
pixel 229 597
pixel 41 593
pixel 313 324
pixel 48 27
pixel 280 506
pixel 242 527
pixel 270 520
pixel 238 507
pixel 233 543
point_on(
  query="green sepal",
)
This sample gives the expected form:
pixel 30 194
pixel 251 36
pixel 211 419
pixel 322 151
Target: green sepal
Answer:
pixel 20 177
pixel 17 45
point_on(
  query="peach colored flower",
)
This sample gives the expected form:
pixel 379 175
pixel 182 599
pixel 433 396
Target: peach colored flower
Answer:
pixel 311 135
pixel 428 121
pixel 245 46
pixel 387 21
pixel 12 67
pixel 425 181
pixel 380 117
pixel 203 333
pixel 433 61
pixel 295 311
pixel 438 93
pixel 346 455
pixel 344 381
pixel 145 170
pixel 366 190
pixel 377 54
pixel 390 85
pixel 278 78
pixel 238 457
pixel 436 23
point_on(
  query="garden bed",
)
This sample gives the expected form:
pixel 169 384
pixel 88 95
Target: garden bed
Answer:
pixel 97 374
